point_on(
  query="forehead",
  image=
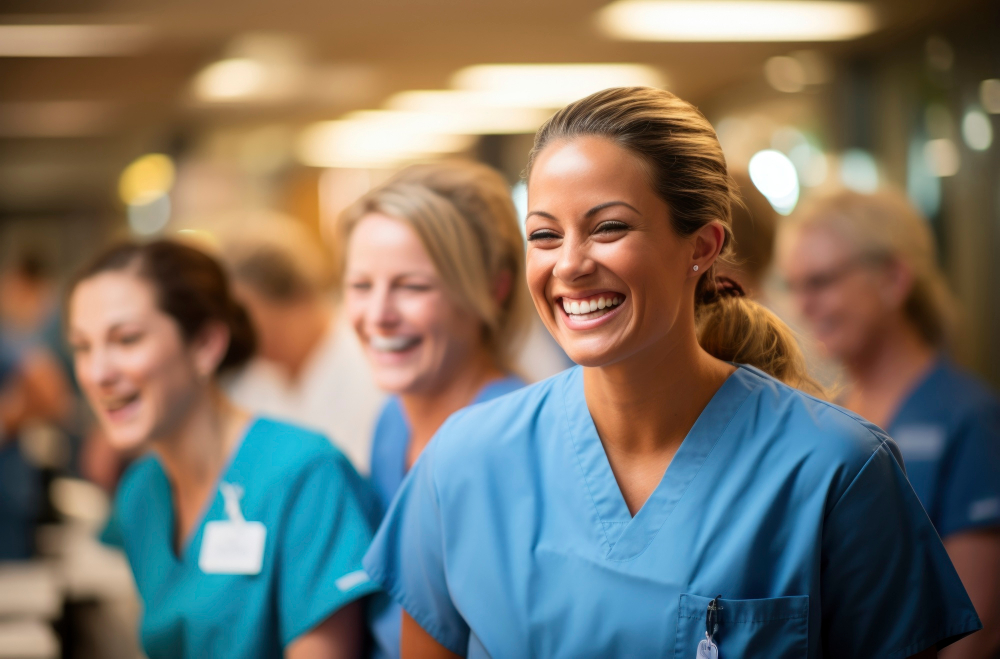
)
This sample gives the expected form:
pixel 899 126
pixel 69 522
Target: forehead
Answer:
pixel 110 298
pixel 812 248
pixel 586 171
pixel 384 243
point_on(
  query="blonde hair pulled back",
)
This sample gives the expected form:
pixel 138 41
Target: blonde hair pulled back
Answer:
pixel 465 218
pixel 885 225
pixel 687 169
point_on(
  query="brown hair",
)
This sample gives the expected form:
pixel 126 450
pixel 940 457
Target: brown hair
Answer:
pixel 687 168
pixel 191 287
pixel 466 220
pixel 885 225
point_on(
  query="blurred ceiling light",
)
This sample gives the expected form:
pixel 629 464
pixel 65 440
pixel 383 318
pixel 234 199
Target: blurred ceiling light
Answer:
pixel 150 218
pixel 711 20
pixel 56 118
pixel 376 140
pixel 229 80
pixel 146 179
pixel 977 130
pixel 989 95
pixel 774 175
pixel 72 40
pixel 786 74
pixel 942 157
pixel 810 163
pixel 470 113
pixel 859 171
pixel 550 85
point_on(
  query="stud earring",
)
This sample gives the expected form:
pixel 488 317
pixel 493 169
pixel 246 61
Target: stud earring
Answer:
pixel 696 268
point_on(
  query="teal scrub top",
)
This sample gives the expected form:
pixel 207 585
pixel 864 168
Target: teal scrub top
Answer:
pixel 317 514
pixel 510 536
pixel 948 430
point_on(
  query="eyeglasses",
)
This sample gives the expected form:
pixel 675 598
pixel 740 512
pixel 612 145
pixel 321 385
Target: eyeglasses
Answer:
pixel 821 281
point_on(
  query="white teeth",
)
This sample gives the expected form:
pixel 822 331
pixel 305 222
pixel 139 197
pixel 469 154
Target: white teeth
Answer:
pixel 576 307
pixel 392 343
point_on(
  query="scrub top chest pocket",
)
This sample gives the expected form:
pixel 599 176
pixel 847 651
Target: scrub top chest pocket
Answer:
pixel 772 628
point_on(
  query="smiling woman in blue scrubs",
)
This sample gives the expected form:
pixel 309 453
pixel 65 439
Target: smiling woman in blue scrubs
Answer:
pixel 433 287
pixel 655 501
pixel 245 535
pixel 863 271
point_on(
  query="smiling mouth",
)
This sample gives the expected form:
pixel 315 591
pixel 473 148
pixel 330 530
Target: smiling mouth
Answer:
pixel 113 405
pixel 392 343
pixel 591 307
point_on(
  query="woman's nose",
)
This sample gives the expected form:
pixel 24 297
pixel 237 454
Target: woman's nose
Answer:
pixel 382 311
pixel 574 261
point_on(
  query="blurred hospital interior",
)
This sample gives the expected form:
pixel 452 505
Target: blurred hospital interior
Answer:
pixel 246 128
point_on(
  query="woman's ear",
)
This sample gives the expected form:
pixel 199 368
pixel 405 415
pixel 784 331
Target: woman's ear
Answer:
pixel 897 283
pixel 208 348
pixel 707 243
pixel 503 286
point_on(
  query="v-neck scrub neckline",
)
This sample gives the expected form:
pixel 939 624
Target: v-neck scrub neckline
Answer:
pixel 626 535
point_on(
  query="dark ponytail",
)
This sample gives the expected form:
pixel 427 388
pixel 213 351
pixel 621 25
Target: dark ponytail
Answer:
pixel 687 169
pixel 191 287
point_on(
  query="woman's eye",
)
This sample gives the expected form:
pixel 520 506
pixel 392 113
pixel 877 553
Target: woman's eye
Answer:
pixel 361 286
pixel 543 234
pixel 418 288
pixel 129 339
pixel 611 226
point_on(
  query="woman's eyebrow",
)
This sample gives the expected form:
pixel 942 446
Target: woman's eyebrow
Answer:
pixel 542 213
pixel 608 204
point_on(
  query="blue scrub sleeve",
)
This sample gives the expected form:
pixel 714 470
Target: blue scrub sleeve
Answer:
pixel 408 553
pixel 888 587
pixel 321 544
pixel 970 477
pixel 112 533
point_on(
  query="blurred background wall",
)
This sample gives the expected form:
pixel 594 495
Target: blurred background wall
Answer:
pixel 148 118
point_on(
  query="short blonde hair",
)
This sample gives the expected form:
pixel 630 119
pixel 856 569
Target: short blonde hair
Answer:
pixel 885 224
pixel 466 220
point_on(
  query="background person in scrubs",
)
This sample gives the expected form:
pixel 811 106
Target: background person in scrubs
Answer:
pixel 433 287
pixel 656 501
pixel 863 272
pixel 245 535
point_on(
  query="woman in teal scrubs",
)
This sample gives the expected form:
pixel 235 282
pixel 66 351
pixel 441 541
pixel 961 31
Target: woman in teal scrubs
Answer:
pixel 863 272
pixel 433 287
pixel 245 535
pixel 656 500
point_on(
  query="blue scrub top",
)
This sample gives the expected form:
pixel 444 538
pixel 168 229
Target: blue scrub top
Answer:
pixel 948 431
pixel 511 538
pixel 392 437
pixel 311 502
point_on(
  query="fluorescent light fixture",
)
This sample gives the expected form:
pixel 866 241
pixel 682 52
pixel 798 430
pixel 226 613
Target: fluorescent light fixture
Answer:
pixel 550 85
pixel 735 20
pixel 377 139
pixel 469 113
pixel 774 175
pixel 72 40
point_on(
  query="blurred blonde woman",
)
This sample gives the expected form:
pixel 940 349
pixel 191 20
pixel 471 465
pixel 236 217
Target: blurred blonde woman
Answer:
pixel 864 274
pixel 433 273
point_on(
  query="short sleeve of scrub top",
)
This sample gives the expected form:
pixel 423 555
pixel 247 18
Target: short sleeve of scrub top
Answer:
pixel 510 536
pixel 313 506
pixel 948 431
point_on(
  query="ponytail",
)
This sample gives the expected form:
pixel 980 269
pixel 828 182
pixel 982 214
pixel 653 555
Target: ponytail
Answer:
pixel 734 328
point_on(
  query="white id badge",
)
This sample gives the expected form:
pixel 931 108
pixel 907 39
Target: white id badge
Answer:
pixel 707 649
pixel 232 548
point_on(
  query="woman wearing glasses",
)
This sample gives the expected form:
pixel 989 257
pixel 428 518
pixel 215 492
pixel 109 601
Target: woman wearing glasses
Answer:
pixel 863 272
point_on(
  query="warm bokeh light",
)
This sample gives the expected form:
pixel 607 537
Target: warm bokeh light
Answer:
pixel 551 85
pixel 470 113
pixel 989 95
pixel 230 79
pixel 146 179
pixel 669 20
pixel 859 171
pixel 942 157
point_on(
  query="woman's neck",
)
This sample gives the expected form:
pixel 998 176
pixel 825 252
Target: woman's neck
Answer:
pixel 197 449
pixel 883 374
pixel 648 402
pixel 426 411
